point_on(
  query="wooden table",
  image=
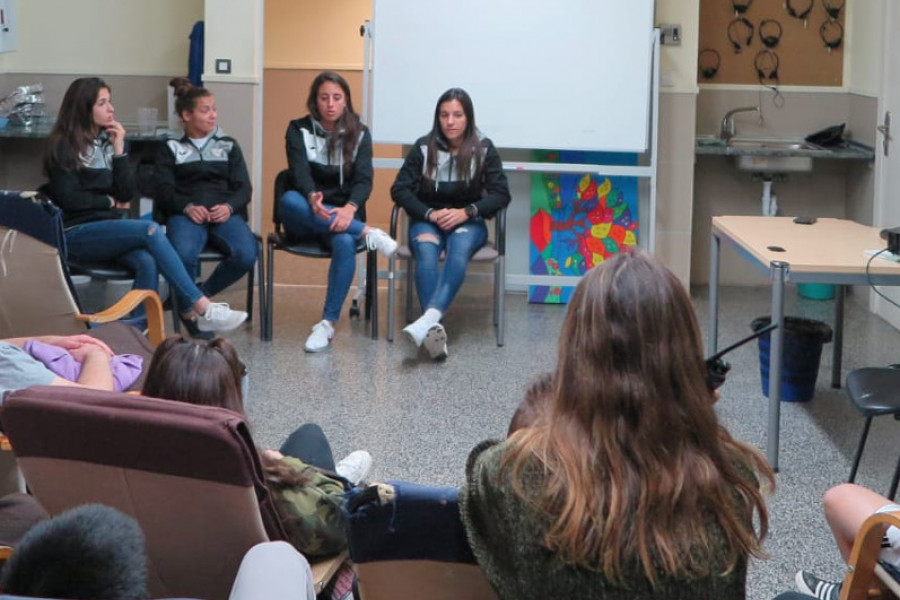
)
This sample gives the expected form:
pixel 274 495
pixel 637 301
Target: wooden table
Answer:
pixel 829 251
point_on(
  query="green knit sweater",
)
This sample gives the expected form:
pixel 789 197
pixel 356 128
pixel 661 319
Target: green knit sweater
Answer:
pixel 506 537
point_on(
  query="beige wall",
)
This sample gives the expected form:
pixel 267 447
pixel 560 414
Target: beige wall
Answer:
pixel 299 35
pixel 234 30
pixel 865 33
pixel 108 37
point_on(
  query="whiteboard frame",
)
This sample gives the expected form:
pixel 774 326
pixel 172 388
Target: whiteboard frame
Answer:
pixel 648 172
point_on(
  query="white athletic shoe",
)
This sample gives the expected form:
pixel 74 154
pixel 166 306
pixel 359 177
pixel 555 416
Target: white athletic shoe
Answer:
pixel 220 318
pixel 320 338
pixel 436 342
pixel 415 331
pixel 355 466
pixel 381 242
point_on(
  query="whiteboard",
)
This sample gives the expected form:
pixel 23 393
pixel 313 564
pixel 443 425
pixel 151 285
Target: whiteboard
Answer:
pixel 557 74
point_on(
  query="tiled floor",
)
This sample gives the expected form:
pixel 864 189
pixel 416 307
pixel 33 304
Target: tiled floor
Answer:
pixel 419 419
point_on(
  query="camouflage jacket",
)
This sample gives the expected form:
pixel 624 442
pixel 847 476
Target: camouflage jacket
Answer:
pixel 312 513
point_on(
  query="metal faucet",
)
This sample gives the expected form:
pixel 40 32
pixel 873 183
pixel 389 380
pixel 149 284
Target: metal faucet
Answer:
pixel 727 131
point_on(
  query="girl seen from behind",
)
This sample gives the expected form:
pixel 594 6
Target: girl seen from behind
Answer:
pixel 92 182
pixel 329 154
pixel 451 180
pixel 626 486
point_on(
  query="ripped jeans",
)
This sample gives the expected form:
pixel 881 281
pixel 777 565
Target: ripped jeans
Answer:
pixel 437 287
pixel 138 245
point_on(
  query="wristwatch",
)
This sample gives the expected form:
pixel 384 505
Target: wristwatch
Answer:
pixel 471 211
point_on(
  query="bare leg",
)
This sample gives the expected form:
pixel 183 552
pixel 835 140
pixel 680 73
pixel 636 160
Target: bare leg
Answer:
pixel 847 506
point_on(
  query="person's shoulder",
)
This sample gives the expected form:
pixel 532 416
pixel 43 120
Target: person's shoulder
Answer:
pixel 486 453
pixel 421 141
pixel 301 123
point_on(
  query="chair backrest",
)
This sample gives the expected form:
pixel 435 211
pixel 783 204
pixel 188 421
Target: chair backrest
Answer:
pixel 413 546
pixel 190 475
pixel 36 293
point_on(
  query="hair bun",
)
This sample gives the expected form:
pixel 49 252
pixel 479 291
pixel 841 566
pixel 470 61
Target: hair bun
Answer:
pixel 182 85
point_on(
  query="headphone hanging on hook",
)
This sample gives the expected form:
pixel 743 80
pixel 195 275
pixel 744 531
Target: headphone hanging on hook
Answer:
pixel 708 61
pixel 771 39
pixel 799 14
pixel 766 63
pixel 832 33
pixel 833 10
pixel 739 8
pixel 734 35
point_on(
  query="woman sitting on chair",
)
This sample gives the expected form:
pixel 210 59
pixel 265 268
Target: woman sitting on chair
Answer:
pixel 452 179
pixel 329 153
pixel 93 183
pixel 305 482
pixel 202 191
pixel 625 485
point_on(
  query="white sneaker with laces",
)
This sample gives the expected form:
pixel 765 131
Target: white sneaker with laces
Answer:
pixel 415 331
pixel 436 342
pixel 220 318
pixel 355 466
pixel 381 242
pixel 320 338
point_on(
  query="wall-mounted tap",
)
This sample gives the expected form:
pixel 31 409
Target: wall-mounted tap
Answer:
pixel 727 131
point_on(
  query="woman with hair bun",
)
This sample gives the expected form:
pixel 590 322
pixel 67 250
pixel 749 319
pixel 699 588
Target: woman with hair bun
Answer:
pixel 202 192
pixel 91 180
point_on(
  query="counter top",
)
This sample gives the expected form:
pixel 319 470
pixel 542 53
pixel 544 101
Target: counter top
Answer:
pixel 41 129
pixel 848 151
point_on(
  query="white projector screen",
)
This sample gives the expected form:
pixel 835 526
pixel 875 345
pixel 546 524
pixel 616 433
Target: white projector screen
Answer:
pixel 543 74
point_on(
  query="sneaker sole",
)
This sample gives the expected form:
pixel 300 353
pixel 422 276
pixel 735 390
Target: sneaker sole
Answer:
pixel 411 338
pixel 209 329
pixel 436 342
pixel 316 350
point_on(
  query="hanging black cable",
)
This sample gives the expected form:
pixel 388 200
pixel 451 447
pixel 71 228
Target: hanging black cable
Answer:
pixel 801 14
pixel 832 33
pixel 833 8
pixel 740 7
pixel 708 62
pixel 770 32
pixel 738 41
pixel 766 63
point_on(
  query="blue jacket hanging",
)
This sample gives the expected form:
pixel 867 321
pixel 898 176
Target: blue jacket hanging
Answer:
pixel 195 56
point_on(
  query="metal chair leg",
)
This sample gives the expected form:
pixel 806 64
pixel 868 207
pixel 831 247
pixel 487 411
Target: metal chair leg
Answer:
pixel 270 285
pixel 859 450
pixel 372 291
pixel 410 266
pixel 249 301
pixel 392 265
pixel 893 491
pixel 261 278
pixel 500 299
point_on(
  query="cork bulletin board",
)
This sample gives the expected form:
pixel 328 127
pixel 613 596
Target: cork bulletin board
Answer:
pixel 801 53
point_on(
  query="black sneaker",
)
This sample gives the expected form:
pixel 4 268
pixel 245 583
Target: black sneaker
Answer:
pixel 818 588
pixel 190 324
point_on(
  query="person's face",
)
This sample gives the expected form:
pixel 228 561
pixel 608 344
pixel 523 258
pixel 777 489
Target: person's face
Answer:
pixel 104 112
pixel 331 102
pixel 201 121
pixel 453 122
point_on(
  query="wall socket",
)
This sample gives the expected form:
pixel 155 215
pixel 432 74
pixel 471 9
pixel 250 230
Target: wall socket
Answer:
pixel 670 35
pixel 223 65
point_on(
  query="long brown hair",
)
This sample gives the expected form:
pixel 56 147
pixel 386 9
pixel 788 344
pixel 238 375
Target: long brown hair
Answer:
pixel 469 148
pixel 636 467
pixel 348 127
pixel 74 130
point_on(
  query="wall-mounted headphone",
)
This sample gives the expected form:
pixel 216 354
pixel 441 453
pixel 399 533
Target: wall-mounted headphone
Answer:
pixel 708 62
pixel 832 33
pixel 766 64
pixel 738 41
pixel 833 9
pixel 799 14
pixel 770 32
pixel 740 8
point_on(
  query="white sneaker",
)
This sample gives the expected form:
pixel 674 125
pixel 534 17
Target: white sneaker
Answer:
pixel 321 335
pixel 436 342
pixel 220 318
pixel 355 466
pixel 381 242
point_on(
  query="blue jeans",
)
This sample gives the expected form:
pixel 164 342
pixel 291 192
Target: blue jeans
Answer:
pixel 437 288
pixel 300 222
pixel 138 245
pixel 232 238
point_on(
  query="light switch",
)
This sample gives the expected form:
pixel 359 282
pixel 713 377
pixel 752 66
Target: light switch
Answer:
pixel 223 65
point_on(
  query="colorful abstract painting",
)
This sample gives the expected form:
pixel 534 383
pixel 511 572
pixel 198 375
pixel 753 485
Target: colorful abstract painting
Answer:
pixel 579 220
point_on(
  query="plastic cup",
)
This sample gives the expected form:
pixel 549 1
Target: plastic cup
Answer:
pixel 147 117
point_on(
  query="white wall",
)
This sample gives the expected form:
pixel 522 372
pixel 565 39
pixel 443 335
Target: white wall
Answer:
pixel 234 31
pixel 678 64
pixel 864 46
pixel 106 37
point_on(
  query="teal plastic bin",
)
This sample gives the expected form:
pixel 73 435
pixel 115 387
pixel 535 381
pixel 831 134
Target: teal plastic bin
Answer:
pixel 816 291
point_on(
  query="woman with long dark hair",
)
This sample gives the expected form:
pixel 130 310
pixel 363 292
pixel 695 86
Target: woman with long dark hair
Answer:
pixel 452 179
pixel 329 154
pixel 202 191
pixel 625 485
pixel 92 182
pixel 305 482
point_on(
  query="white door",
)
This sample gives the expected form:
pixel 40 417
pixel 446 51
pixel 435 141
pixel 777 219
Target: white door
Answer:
pixel 887 168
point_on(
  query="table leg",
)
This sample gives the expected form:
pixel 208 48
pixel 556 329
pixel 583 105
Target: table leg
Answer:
pixel 838 350
pixel 713 339
pixel 778 270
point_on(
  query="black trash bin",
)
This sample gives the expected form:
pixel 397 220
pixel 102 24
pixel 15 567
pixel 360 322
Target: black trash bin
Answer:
pixel 801 353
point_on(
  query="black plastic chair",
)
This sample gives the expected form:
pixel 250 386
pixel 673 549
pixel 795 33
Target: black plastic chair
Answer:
pixel 874 391
pixel 312 248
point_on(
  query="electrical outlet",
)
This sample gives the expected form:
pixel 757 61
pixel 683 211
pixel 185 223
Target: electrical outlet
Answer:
pixel 223 65
pixel 670 35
